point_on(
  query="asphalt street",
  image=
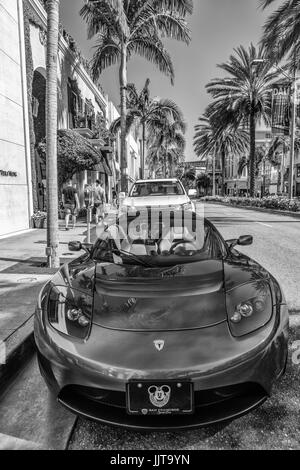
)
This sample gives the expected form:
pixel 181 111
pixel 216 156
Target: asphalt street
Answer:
pixel 276 243
pixel 26 408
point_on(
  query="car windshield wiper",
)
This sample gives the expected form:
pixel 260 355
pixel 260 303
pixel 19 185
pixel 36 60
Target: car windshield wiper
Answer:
pixel 133 257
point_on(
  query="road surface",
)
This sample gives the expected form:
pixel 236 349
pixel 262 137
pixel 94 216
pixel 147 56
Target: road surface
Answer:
pixel 276 243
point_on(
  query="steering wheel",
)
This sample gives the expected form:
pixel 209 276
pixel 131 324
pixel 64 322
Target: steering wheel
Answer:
pixel 180 242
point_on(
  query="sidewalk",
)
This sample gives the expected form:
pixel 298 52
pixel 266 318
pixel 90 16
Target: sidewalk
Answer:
pixel 22 275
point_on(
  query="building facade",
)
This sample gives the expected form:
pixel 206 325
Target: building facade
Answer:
pixel 15 165
pixel 83 107
pixel 271 176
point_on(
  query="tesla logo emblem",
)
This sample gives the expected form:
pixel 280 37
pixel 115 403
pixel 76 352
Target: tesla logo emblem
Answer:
pixel 159 396
pixel 159 344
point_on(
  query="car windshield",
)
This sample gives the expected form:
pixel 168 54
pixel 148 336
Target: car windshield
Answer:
pixel 157 188
pixel 155 239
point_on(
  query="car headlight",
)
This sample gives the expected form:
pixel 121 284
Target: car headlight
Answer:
pixel 70 311
pixel 249 307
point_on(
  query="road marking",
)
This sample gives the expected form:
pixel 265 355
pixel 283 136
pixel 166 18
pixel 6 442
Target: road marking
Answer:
pixel 266 225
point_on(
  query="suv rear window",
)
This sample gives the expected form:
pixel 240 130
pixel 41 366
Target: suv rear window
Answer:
pixel 157 188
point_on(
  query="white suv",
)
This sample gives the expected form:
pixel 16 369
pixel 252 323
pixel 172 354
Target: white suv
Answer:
pixel 160 193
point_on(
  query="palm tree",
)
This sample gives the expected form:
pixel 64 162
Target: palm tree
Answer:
pixel 282 29
pixel 147 113
pixel 261 153
pixel 166 143
pixel 147 22
pixel 264 154
pixel 189 178
pixel 51 133
pixel 203 182
pixel 277 157
pixel 246 93
pixel 212 138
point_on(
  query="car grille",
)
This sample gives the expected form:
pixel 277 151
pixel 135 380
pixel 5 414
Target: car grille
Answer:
pixel 202 398
pixel 212 406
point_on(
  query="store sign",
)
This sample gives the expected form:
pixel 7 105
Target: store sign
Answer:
pixel 12 174
pixel 281 106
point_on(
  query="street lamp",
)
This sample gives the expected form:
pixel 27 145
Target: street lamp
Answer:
pixel 293 80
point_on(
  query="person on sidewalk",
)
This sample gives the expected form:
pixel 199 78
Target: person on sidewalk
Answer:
pixel 71 203
pixel 99 201
pixel 115 199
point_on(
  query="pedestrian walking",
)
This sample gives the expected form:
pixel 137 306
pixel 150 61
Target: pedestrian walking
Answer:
pixel 115 198
pixel 70 202
pixel 99 201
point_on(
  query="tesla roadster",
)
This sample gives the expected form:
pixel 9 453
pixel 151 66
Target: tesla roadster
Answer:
pixel 161 325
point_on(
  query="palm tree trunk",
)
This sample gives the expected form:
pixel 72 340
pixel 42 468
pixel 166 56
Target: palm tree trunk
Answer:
pixel 123 91
pixel 252 153
pixel 144 151
pixel 223 156
pixel 51 134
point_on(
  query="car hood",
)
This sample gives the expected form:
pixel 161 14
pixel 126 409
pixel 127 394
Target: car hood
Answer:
pixel 183 297
pixel 156 201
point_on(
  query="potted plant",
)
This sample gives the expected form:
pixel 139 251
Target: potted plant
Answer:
pixel 38 219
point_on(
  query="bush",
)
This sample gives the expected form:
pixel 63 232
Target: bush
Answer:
pixel 272 202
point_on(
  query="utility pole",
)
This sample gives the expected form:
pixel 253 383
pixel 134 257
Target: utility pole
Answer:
pixel 214 172
pixel 293 132
pixel 282 168
pixel 51 134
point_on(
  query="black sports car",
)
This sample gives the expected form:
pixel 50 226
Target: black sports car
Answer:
pixel 161 325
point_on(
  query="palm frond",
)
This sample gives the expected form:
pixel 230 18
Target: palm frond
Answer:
pixel 153 50
pixel 110 12
pixel 180 7
pixel 282 29
pixel 130 121
pixel 107 53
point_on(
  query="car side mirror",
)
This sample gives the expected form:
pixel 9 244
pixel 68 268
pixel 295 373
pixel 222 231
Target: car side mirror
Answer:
pixel 75 246
pixel 244 240
pixel 78 246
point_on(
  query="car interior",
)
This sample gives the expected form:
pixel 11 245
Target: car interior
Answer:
pixel 162 240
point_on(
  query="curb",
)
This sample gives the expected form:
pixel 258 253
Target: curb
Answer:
pixel 14 443
pixel 20 347
pixel 257 209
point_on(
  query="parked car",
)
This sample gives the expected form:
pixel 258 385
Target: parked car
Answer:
pixel 193 193
pixel 161 325
pixel 159 193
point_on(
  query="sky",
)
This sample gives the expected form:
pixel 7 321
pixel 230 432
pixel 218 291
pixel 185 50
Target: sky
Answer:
pixel 217 26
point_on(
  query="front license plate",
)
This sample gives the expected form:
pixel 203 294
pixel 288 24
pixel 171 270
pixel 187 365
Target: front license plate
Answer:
pixel 157 397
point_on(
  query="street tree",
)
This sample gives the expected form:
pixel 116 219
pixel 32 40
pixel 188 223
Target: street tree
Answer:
pixel 246 92
pixel 147 113
pixel 166 144
pixel 281 32
pixel 74 154
pixel 213 138
pixel 51 133
pixel 147 22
